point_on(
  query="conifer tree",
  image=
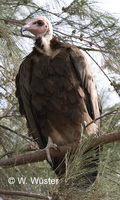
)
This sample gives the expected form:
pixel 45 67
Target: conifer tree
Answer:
pixel 97 34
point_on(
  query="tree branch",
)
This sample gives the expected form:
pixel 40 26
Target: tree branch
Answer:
pixel 12 152
pixel 25 194
pixel 111 82
pixel 23 136
pixel 106 114
pixel 40 155
pixel 6 154
pixel 13 21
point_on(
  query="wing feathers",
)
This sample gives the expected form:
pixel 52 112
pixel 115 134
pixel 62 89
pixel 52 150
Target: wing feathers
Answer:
pixel 84 74
pixel 23 80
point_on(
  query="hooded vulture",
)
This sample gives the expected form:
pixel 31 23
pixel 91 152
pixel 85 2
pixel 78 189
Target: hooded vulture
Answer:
pixel 56 91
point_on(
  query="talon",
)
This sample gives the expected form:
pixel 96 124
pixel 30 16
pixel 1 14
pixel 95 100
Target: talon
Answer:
pixel 50 145
pixel 58 149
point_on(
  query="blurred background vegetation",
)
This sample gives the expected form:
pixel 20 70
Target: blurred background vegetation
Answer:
pixel 97 34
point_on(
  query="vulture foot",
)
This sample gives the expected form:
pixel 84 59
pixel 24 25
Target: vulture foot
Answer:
pixel 50 145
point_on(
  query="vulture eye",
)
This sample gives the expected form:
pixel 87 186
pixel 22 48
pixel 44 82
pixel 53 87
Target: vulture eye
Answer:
pixel 40 23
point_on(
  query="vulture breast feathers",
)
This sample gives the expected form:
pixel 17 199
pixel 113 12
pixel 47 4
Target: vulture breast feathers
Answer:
pixel 55 89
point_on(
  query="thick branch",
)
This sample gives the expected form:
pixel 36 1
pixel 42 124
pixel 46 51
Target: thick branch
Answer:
pixel 37 156
pixel 106 139
pixel 40 155
pixel 25 194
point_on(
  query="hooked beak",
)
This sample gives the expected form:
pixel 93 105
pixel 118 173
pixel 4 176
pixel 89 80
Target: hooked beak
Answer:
pixel 22 30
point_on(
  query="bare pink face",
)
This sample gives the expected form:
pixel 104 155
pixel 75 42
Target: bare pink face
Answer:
pixel 38 27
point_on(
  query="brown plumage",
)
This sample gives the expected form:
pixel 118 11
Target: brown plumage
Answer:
pixel 56 93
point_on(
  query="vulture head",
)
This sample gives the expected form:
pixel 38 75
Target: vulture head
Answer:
pixel 40 27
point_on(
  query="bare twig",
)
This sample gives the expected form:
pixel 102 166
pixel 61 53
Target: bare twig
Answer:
pixel 112 170
pixel 5 116
pixel 23 136
pixel 99 67
pixel 6 154
pixel 13 21
pixel 37 7
pixel 111 82
pixel 25 194
pixel 41 154
pixel 32 13
pixel 115 182
pixel 4 149
pixel 12 152
pixel 99 49
pixel 108 113
pixel 113 161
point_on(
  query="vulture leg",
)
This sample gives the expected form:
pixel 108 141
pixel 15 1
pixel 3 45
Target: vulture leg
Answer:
pixel 50 145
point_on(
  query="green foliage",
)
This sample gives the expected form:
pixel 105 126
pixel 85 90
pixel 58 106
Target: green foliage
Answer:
pixel 80 23
pixel 106 185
